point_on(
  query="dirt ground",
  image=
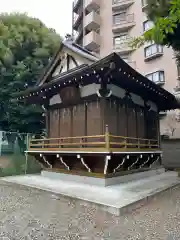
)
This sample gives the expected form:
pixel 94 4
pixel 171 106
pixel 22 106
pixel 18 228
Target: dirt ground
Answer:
pixel 27 213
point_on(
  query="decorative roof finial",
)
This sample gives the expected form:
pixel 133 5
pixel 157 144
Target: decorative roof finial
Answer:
pixel 69 37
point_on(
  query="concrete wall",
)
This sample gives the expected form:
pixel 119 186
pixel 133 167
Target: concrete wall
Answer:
pixel 171 153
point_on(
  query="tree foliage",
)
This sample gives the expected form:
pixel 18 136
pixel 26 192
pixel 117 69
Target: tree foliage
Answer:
pixel 166 17
pixel 26 46
pixel 157 8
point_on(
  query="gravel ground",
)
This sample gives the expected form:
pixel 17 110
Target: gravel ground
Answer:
pixel 27 213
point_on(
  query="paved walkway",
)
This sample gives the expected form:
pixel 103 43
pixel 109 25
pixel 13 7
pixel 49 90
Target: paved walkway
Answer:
pixel 28 213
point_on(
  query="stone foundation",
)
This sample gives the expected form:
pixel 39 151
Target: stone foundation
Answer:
pixel 106 181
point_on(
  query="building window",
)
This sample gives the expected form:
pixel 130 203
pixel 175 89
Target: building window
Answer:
pixel 118 40
pixel 152 50
pixel 156 76
pixel 147 25
pixel 118 18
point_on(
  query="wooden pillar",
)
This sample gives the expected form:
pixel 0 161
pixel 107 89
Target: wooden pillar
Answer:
pixel 158 131
pixel 103 114
pixel 107 138
pixel 117 116
pixel 85 119
pixel 47 122
pixel 145 123
pixel 136 117
pixel 47 117
pixel 71 121
pixel 126 111
pixel 59 133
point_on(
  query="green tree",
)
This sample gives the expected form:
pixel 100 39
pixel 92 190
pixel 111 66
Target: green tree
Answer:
pixel 157 8
pixel 26 46
pixel 166 17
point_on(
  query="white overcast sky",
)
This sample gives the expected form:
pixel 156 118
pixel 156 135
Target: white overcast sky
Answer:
pixel 56 14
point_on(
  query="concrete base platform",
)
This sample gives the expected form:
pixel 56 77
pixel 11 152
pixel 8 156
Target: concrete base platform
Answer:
pixel 116 199
pixel 102 181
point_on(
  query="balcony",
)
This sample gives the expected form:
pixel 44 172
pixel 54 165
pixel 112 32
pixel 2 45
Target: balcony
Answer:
pixel 121 4
pixel 152 51
pixel 78 35
pixel 77 20
pixel 177 89
pixel 92 41
pixel 124 47
pixel 92 21
pixel 92 5
pixel 178 73
pixel 124 23
pixel 76 5
pixel 177 96
pixel 144 5
pixel 157 77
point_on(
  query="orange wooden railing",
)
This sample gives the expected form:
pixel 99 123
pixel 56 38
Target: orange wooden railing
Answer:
pixel 106 142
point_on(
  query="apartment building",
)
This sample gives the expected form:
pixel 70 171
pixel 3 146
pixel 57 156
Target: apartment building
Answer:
pixel 105 26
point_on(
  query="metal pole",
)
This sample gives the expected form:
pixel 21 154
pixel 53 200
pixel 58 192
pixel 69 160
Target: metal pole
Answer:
pixel 1 141
pixel 26 154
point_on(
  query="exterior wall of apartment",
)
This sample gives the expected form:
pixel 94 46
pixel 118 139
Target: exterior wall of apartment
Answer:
pixel 165 62
pixel 106 28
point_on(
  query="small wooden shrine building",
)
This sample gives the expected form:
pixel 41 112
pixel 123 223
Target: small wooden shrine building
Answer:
pixel 102 117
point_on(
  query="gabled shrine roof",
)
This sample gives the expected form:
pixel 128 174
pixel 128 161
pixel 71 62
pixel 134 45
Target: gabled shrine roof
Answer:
pixel 111 69
pixel 74 48
pixel 80 50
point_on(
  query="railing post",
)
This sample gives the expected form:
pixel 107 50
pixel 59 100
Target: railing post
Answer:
pixel 126 142
pixel 43 143
pixel 81 141
pixel 26 153
pixel 28 140
pixel 107 138
pixel 138 143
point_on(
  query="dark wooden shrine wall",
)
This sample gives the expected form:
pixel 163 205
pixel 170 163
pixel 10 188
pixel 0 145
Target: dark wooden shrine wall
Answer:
pixel 80 120
pixel 90 119
pixel 131 120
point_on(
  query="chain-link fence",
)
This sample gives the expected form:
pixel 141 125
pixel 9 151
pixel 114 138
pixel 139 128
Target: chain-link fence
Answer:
pixel 13 157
